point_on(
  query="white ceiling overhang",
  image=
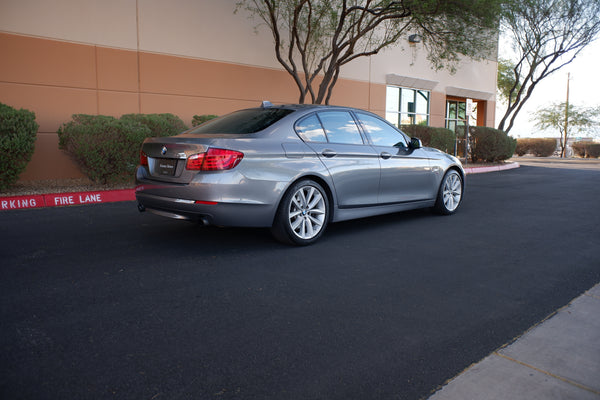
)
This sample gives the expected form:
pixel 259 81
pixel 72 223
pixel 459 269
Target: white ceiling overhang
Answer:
pixel 410 82
pixel 468 93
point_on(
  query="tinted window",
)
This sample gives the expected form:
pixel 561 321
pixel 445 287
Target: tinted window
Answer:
pixel 310 129
pixel 340 127
pixel 244 121
pixel 380 132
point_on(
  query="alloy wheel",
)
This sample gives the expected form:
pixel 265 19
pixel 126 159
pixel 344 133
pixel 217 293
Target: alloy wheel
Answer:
pixel 307 212
pixel 452 191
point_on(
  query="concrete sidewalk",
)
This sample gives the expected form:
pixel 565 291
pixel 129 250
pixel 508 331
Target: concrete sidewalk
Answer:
pixel 556 359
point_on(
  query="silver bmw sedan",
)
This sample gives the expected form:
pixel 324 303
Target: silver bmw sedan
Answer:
pixel 294 169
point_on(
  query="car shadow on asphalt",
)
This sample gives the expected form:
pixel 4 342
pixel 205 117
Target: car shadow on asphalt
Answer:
pixel 186 234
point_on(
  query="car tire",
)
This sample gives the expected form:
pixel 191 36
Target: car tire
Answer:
pixel 302 215
pixel 450 193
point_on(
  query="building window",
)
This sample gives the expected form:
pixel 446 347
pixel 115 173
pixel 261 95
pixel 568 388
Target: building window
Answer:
pixel 407 106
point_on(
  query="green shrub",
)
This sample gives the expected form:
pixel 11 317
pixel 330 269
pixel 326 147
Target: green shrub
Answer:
pixel 586 149
pixel 439 138
pixel 106 148
pixel 200 119
pixel 522 147
pixel 593 150
pixel 159 124
pixel 491 145
pixel 18 131
pixel 537 147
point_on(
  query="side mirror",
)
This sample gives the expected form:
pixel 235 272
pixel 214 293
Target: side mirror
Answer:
pixel 415 143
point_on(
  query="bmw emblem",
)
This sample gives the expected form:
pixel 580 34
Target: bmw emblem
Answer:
pixel 163 151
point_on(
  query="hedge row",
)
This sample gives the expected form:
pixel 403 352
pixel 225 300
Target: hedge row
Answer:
pixel 486 144
pixel 537 147
pixel 490 145
pixel 439 138
pixel 587 149
pixel 18 131
pixel 106 148
pixel 159 124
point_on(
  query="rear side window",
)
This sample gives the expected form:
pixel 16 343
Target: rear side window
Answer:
pixel 340 127
pixel 310 129
pixel 243 121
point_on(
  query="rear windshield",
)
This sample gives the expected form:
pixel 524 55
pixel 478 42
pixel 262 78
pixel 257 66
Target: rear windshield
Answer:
pixel 243 121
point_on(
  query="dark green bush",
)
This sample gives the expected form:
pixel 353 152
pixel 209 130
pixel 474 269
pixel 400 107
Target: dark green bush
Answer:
pixel 439 138
pixel 159 124
pixel 490 145
pixel 200 119
pixel 587 149
pixel 18 131
pixel 537 147
pixel 106 148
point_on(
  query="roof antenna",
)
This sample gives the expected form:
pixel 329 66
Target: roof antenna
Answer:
pixel 266 104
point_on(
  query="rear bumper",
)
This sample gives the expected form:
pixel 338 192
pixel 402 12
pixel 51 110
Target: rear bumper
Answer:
pixel 215 213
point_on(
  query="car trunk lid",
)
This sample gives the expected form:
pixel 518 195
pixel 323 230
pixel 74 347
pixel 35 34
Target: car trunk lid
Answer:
pixel 167 157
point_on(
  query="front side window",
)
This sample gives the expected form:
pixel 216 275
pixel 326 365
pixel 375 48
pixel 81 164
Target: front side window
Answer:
pixel 340 127
pixel 380 132
pixel 243 121
pixel 407 106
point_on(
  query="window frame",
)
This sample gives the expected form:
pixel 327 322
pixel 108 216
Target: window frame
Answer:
pixel 411 115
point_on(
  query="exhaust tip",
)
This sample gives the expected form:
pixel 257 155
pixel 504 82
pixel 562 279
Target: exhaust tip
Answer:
pixel 141 207
pixel 204 221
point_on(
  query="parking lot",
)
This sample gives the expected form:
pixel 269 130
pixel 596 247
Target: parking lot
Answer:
pixel 101 302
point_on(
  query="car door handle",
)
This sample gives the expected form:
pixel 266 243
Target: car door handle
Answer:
pixel 385 155
pixel 328 153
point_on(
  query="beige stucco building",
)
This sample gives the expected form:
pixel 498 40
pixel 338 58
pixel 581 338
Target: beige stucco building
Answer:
pixel 188 57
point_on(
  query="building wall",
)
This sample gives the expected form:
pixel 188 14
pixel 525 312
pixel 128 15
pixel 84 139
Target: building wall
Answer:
pixel 185 57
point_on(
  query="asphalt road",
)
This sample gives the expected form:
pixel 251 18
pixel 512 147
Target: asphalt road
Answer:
pixel 101 302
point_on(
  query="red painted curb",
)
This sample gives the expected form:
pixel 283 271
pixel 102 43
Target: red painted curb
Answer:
pixel 481 170
pixel 66 199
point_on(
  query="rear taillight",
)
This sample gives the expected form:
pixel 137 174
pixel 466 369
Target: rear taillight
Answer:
pixel 194 162
pixel 143 159
pixel 214 160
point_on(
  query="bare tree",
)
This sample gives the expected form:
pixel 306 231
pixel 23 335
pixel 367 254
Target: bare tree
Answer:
pixel 546 35
pixel 314 39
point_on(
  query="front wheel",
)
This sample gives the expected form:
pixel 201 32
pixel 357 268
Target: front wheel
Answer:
pixel 302 214
pixel 450 193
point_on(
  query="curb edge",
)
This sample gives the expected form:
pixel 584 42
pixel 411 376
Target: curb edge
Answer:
pixel 65 199
pixel 494 168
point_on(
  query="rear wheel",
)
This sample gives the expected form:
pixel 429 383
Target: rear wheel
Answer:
pixel 450 193
pixel 302 214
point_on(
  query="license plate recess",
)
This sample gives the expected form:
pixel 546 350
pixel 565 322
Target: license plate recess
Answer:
pixel 166 166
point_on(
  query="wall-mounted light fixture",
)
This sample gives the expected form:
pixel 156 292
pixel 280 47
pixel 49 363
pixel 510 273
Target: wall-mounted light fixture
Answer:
pixel 414 38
